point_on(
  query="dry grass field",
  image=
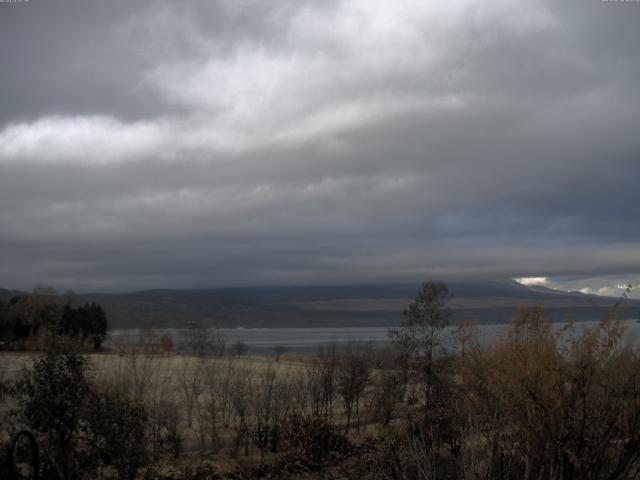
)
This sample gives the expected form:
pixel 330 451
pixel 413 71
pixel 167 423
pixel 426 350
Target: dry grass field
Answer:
pixel 224 409
pixel 210 402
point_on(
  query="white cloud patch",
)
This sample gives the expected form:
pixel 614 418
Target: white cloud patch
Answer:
pixel 84 140
pixel 532 280
pixel 603 291
pixel 336 72
pixel 610 286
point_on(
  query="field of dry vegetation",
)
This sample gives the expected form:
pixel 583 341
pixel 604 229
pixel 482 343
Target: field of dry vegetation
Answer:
pixel 539 403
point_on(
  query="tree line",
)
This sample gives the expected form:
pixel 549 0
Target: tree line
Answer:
pixel 25 321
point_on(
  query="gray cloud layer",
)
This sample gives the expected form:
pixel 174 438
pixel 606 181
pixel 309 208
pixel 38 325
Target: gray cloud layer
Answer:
pixel 159 143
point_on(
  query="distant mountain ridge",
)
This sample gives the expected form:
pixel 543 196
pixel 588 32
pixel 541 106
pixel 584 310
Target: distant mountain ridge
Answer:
pixel 487 301
pixel 6 294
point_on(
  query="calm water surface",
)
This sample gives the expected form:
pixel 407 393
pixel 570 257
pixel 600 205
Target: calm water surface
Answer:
pixel 307 340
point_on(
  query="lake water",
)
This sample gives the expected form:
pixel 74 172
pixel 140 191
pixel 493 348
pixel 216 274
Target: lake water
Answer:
pixel 261 341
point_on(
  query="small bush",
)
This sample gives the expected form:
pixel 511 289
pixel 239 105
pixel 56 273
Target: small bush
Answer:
pixel 80 429
pixel 55 395
pixel 165 429
pixel 312 441
pixel 120 434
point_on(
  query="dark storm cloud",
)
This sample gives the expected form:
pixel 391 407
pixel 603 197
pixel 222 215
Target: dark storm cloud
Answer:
pixel 150 144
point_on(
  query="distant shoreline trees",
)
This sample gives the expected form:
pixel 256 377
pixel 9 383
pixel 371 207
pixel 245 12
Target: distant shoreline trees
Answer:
pixel 26 321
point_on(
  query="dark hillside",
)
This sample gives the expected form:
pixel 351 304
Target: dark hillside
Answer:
pixel 330 306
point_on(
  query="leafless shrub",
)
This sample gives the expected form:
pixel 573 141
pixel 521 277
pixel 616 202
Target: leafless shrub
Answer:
pixel 240 348
pixel 240 399
pixel 386 395
pixel 201 339
pixel 210 407
pixel 321 382
pixel 312 441
pixel 279 350
pixel 165 427
pixel 352 378
pixel 190 382
pixel 271 406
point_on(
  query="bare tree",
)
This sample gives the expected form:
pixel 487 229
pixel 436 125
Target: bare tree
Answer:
pixel 466 334
pixel 240 396
pixel 197 337
pixel 190 380
pixel 386 395
pixel 218 342
pixel 420 338
pixel 321 381
pixel 352 378
pixel 240 348
pixel 279 350
pixel 147 341
pixel 271 404
pixel 166 343
pixel 202 340
pixel 210 408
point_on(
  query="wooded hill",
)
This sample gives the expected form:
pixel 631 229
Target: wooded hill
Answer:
pixel 331 306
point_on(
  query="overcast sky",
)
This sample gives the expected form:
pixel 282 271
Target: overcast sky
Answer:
pixel 149 144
